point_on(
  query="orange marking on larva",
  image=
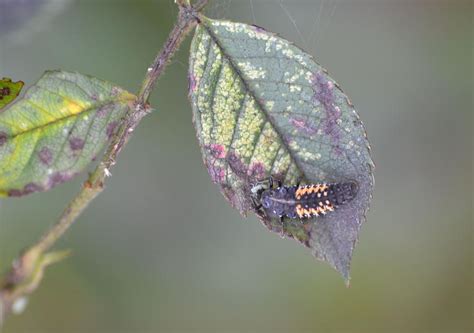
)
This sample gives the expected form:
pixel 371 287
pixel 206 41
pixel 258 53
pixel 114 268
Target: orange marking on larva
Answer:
pixel 319 188
pixel 299 211
pixel 304 190
pixel 300 191
pixel 322 210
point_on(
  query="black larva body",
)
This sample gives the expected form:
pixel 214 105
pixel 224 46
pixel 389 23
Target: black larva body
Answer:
pixel 305 201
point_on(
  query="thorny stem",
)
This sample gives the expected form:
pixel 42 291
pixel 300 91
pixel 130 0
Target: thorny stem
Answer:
pixel 27 269
pixel 187 19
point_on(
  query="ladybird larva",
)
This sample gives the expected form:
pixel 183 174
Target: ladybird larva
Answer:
pixel 304 201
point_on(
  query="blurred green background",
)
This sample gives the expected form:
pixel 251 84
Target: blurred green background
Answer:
pixel 162 251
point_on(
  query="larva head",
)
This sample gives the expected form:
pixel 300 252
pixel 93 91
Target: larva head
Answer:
pixel 271 204
pixel 262 195
pixel 266 199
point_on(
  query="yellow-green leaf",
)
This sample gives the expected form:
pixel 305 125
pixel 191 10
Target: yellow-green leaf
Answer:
pixel 9 90
pixel 263 107
pixel 56 130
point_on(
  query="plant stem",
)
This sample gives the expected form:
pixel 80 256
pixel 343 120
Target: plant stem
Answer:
pixel 187 19
pixel 27 270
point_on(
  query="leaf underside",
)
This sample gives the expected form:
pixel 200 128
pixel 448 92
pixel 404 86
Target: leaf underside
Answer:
pixel 56 130
pixel 9 90
pixel 263 107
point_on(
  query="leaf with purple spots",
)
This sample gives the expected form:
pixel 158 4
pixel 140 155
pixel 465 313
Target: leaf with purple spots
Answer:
pixel 54 132
pixel 263 107
pixel 9 90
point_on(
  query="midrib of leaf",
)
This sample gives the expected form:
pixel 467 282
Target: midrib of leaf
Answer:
pixel 67 117
pixel 252 93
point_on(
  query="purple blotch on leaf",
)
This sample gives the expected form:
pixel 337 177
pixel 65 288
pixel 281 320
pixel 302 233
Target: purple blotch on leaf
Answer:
pixel 324 94
pixel 217 174
pixel 216 150
pixel 236 165
pixel 76 143
pixel 111 129
pixel 103 111
pixel 257 171
pixel 4 92
pixel 303 126
pixel 215 153
pixel 3 138
pixel 45 156
pixel 229 193
pixel 191 83
pixel 58 178
pixel 29 188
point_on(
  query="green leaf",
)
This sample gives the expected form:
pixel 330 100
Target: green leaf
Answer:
pixel 56 130
pixel 9 91
pixel 262 107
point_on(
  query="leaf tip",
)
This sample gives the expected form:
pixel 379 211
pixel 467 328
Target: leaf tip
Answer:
pixel 347 281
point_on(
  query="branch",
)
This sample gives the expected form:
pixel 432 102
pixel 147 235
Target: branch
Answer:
pixel 27 270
